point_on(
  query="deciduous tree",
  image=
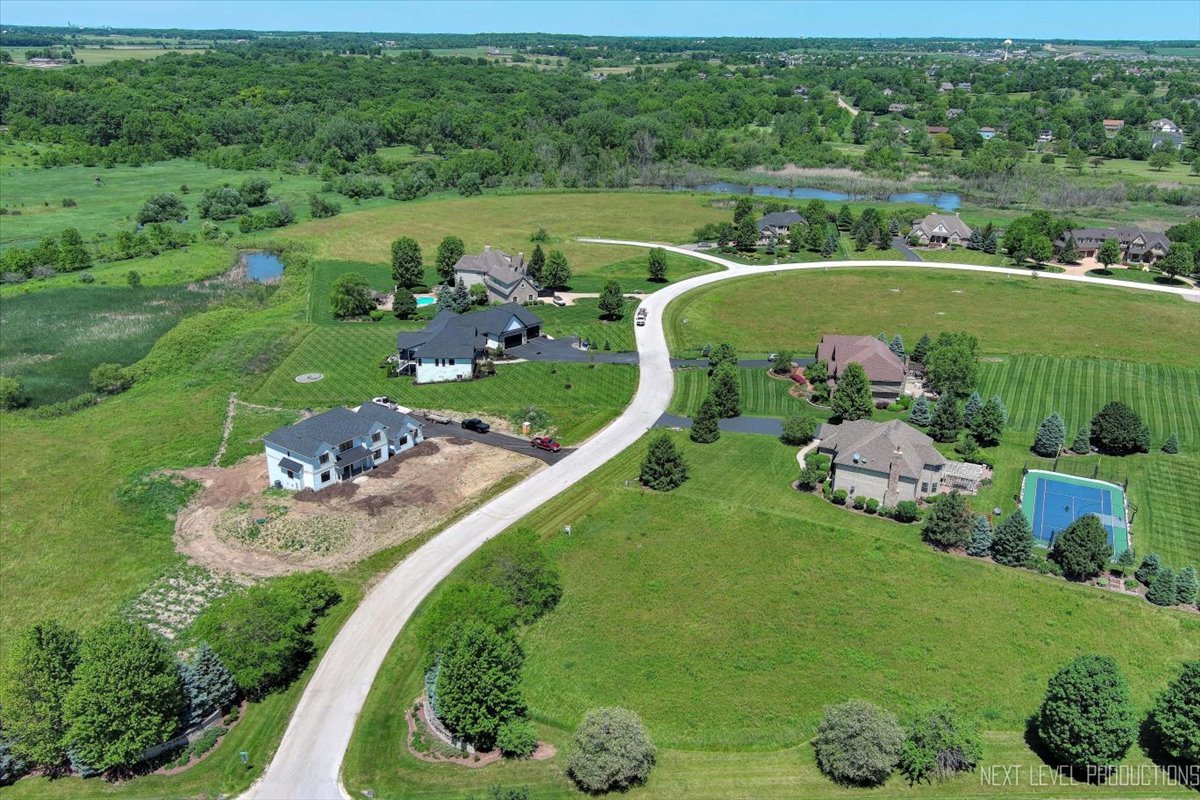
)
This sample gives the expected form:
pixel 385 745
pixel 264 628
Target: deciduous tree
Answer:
pixel 1176 715
pixel 449 251
pixel 611 751
pixel 407 268
pixel 612 302
pixel 351 296
pixel 33 686
pixel 478 684
pixel 1082 549
pixel 656 265
pixel 858 743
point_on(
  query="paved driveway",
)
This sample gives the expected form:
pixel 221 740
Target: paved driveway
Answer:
pixel 770 426
pixel 909 254
pixel 564 349
pixel 514 444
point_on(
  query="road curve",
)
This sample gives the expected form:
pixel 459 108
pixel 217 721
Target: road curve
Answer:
pixel 308 763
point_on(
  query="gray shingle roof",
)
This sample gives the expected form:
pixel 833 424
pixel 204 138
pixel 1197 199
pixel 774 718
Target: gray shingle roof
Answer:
pixel 1133 240
pixel 353 455
pixel 779 219
pixel 310 437
pixel 294 466
pixel 876 446
pixel 943 225
pixel 451 335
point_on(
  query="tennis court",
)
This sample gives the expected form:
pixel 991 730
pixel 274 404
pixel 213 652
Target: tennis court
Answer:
pixel 1052 501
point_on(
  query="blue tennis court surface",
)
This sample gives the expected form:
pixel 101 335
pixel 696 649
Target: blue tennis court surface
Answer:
pixel 1052 502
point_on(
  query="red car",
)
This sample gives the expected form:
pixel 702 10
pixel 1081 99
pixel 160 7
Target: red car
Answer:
pixel 545 443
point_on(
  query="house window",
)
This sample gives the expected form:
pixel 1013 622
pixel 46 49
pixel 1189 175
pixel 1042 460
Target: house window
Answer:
pixel 375 436
pixel 451 362
pixel 924 486
pixel 324 458
pixel 403 440
pixel 344 446
pixel 375 455
pixel 325 476
pixel 290 474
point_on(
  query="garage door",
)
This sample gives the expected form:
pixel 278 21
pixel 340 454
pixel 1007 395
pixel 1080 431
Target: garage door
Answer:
pixel 513 340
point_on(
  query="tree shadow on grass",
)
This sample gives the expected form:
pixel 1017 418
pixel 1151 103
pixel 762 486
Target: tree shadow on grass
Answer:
pixel 1177 769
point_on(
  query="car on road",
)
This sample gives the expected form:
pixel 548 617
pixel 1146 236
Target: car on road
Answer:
pixel 558 301
pixel 476 424
pixel 545 443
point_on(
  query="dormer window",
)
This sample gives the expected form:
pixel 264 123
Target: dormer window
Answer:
pixel 346 445
pixel 324 458
pixel 375 436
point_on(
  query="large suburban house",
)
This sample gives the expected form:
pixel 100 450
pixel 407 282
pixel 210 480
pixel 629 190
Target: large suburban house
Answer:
pixel 1136 245
pixel 891 462
pixel 1164 125
pixel 940 230
pixel 505 277
pixel 451 345
pixel 338 445
pixel 884 369
pixel 777 224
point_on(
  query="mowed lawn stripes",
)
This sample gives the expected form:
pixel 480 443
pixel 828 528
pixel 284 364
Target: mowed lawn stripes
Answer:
pixel 1168 398
pixel 762 395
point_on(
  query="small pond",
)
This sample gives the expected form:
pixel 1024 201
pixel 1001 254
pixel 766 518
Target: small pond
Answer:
pixel 262 266
pixel 946 201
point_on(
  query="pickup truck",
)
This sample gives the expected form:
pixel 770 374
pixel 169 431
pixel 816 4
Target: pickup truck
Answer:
pixel 545 443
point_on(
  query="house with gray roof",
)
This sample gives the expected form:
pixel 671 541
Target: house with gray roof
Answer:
pixel 1137 245
pixel 884 369
pixel 338 445
pixel 776 225
pixel 450 347
pixel 505 277
pixel 939 230
pixel 891 461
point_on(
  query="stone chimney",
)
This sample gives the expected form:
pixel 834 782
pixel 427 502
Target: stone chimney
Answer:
pixel 519 262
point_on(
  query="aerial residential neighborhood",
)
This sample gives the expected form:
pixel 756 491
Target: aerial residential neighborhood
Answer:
pixel 513 400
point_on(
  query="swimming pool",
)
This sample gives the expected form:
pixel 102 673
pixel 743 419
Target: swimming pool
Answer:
pixel 425 301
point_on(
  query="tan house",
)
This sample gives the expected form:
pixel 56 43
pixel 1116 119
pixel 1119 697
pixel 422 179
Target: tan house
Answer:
pixel 1137 245
pixel 505 277
pixel 884 369
pixel 1112 126
pixel 939 230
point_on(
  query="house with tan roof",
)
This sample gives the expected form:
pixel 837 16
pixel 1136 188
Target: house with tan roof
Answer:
pixel 1112 126
pixel 939 230
pixel 891 462
pixel 505 277
pixel 884 369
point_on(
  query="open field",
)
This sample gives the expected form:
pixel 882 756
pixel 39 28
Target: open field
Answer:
pixel 709 611
pixel 171 268
pixel 1011 315
pixel 98 56
pixel 350 356
pixel 113 204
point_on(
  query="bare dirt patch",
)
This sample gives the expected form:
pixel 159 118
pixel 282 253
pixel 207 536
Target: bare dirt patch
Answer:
pixel 237 525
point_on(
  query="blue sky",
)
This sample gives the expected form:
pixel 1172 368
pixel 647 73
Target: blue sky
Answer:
pixel 1041 19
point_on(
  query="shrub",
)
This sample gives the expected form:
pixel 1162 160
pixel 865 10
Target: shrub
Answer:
pixel 133 278
pixel 1171 445
pixel 907 511
pixel 110 379
pixel 611 751
pixel 858 743
pixel 404 305
pixel 517 738
pixel 321 208
pixel 222 203
pixel 161 208
pixel 518 566
pixel 11 393
pixel 663 469
pixel 1118 430
pixel 87 277
pixel 69 202
pixel 798 429
pixel 839 497
pixel 1082 550
pixel 938 744
pixel 949 525
pixel 254 191
pixel 1086 719
pixel 1176 715
pixel 860 502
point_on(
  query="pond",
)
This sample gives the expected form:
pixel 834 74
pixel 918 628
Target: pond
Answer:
pixel 945 201
pixel 262 266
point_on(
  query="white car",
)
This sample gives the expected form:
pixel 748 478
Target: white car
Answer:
pixel 558 301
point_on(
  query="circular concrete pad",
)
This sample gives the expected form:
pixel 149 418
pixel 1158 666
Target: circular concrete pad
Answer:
pixel 309 377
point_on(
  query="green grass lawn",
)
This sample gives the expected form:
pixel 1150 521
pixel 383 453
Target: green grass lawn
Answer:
pixel 1008 314
pixel 250 424
pixel 1136 276
pixel 324 273
pixel 350 355
pixel 113 204
pixel 630 273
pixel 729 612
pixel 583 320
pixel 963 255
pixel 762 395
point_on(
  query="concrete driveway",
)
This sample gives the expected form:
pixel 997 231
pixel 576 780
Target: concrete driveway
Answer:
pixel 309 759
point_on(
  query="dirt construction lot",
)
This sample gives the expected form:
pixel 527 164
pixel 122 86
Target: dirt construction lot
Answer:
pixel 237 525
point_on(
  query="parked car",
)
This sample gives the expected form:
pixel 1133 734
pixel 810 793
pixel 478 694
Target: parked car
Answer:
pixel 558 301
pixel 641 321
pixel 545 443
pixel 476 424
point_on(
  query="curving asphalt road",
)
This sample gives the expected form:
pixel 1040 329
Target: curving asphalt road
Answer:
pixel 308 762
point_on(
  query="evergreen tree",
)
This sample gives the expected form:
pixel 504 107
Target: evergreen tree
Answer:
pixel 612 302
pixel 980 545
pixel 449 252
pixel 1126 560
pixel 705 429
pixel 407 269
pixel 946 421
pixel 922 349
pixel 557 272
pixel 1082 549
pixel 852 397
pixel 656 265
pixel 1171 445
pixel 920 413
pixel 988 424
pixel 207 684
pixel 1012 542
pixel 1148 569
pixel 725 390
pixel 950 523
pixel 897 346
pixel 537 263
pixel 893 227
pixel 404 305
pixel 1118 430
pixel 1070 251
pixel 991 243
pixel 1051 435
pixel 830 246
pixel 1001 408
pixel 663 469
pixel 976 240
pixel 1164 590
pixel 1176 715
pixel 478 684
pixel 746 236
pixel 1186 587
pixel 845 218
pixel 1082 444
pixel 972 407
pixel 1086 720
pixel 743 209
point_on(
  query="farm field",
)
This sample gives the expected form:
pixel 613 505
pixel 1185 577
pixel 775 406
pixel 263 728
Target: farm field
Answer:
pixel 793 310
pixel 113 204
pixel 349 357
pixel 98 56
pixel 700 609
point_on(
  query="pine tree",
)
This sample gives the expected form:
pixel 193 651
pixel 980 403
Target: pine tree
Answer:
pixel 207 683
pixel 973 406
pixel 894 227
pixel 1083 440
pixel 922 349
pixel 1163 591
pixel 1126 560
pixel 950 524
pixel 946 421
pixel 991 243
pixel 852 396
pixel 537 262
pixel 1149 569
pixel 663 468
pixel 831 245
pixel 897 346
pixel 725 391
pixel 460 299
pixel 1070 251
pixel 1186 586
pixel 976 240
pixel 1051 435
pixel 1012 543
pixel 981 537
pixel 705 428
pixel 988 424
pixel 1171 445
pixel 845 218
pixel 1001 408
pixel 920 413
